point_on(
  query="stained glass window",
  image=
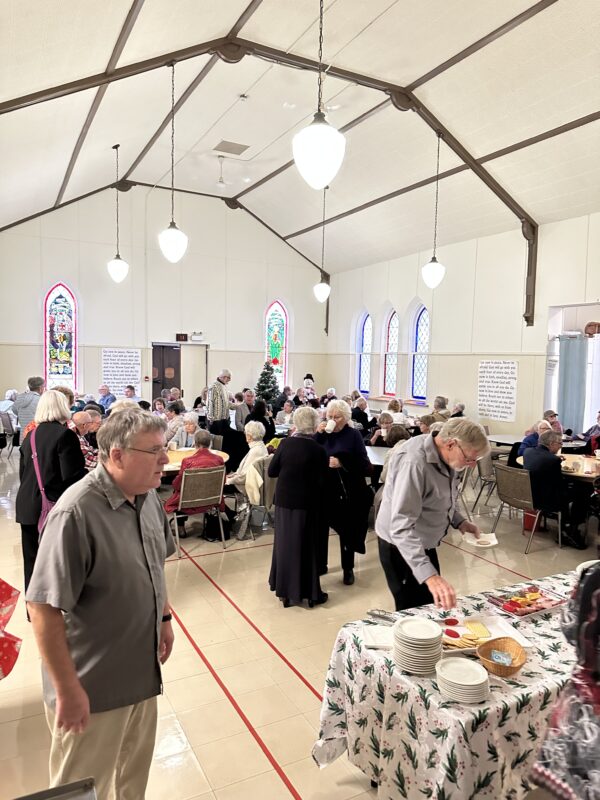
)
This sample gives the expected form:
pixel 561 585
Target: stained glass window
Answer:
pixel 276 340
pixel 60 337
pixel 420 355
pixel 390 364
pixel 365 347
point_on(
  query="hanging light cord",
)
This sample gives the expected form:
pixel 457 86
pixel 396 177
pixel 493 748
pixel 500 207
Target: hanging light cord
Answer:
pixel 323 235
pixel 320 88
pixel 116 149
pixel 173 142
pixel 437 194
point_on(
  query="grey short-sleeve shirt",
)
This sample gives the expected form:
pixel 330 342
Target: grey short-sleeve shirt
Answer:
pixel 101 560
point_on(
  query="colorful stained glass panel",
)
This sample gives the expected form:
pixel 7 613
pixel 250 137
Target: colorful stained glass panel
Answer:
pixel 60 337
pixel 276 340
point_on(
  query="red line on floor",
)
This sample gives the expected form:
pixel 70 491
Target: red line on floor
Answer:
pixel 495 564
pixel 276 766
pixel 254 626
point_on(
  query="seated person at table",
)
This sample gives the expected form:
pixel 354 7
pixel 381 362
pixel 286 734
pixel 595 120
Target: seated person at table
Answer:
pixel 284 417
pixel 593 431
pixel 550 490
pixel 286 394
pixel 186 433
pixel 236 481
pixel 244 408
pixel 300 397
pixel 425 423
pixel 395 408
pixel 531 440
pixel 354 395
pixel 359 414
pixel 261 414
pixel 328 396
pixel 458 410
pixel 201 458
pixel 395 434
pixel 159 408
pixel 552 418
pixel 440 410
pixel 384 423
pixel 174 419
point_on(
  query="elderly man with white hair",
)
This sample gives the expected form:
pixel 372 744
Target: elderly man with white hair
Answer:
pixel 419 504
pixel 328 396
pixel 219 404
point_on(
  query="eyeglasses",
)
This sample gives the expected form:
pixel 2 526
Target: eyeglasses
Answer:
pixel 156 451
pixel 468 460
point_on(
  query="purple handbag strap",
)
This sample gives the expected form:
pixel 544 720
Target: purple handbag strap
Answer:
pixel 36 466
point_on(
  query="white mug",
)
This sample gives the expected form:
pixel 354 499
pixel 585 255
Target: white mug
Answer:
pixel 597 454
pixel 172 445
pixel 329 427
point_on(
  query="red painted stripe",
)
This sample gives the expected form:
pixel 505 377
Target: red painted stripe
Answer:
pixel 254 626
pixel 499 566
pixel 276 766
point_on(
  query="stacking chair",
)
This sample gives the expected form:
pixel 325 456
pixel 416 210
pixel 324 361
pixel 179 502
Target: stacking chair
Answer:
pixel 514 490
pixel 201 488
pixel 7 428
pixel 216 442
pixel 487 478
pixel 461 492
pixel 267 489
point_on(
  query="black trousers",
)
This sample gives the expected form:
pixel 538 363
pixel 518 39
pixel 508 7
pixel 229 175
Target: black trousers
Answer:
pixel 30 543
pixel 407 591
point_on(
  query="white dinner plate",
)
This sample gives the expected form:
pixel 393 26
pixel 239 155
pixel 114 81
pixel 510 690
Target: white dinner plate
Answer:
pixel 418 629
pixel 461 671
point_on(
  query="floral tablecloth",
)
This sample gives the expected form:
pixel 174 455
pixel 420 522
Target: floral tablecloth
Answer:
pixel 402 733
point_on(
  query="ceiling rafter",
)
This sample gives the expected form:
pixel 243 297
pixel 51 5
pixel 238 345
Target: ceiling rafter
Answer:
pixel 49 210
pixel 122 38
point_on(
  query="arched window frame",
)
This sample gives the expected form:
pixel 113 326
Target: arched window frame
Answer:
pixel 365 348
pixel 281 369
pixel 52 378
pixel 420 354
pixel 390 356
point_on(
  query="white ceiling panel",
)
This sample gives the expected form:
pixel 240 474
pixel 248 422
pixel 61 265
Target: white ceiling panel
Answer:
pixel 163 27
pixel 130 111
pixel 393 40
pixel 405 225
pixel 279 101
pixel 389 151
pixel 555 179
pixel 49 43
pixel 35 148
pixel 542 74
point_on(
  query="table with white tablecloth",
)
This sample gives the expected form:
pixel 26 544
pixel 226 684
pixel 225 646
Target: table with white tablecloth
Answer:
pixel 402 733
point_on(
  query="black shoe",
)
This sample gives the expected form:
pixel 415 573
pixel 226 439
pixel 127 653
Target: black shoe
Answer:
pixel 182 532
pixel 322 598
pixel 286 602
pixel 323 571
pixel 348 577
pixel 571 540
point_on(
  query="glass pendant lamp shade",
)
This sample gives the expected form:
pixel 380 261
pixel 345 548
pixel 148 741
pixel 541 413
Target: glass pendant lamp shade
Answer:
pixel 117 269
pixel 433 273
pixel 322 290
pixel 173 243
pixel 318 152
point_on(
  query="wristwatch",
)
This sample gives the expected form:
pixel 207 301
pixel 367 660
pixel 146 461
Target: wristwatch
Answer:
pixel 167 617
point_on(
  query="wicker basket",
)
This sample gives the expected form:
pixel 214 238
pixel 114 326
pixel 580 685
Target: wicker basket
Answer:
pixel 507 645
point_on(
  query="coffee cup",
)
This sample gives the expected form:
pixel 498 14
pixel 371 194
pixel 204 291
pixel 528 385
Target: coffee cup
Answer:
pixel 330 426
pixel 172 445
pixel 597 454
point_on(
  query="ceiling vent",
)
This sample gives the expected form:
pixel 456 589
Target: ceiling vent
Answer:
pixel 231 148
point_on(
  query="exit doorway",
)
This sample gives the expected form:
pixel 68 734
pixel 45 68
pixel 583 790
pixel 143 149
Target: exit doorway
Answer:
pixel 166 367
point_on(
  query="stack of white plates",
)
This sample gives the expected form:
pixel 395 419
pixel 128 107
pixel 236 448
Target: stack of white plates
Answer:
pixel 463 680
pixel 417 645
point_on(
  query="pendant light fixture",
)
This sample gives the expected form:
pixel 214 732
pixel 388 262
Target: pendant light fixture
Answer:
pixel 319 148
pixel 221 182
pixel 117 267
pixel 433 272
pixel 322 289
pixel 173 242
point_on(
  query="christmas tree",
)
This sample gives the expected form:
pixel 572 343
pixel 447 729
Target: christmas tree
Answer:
pixel 267 387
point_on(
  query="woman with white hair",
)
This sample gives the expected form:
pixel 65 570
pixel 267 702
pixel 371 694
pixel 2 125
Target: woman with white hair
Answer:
pixel 185 435
pixel 51 459
pixel 300 465
pixel 254 432
pixel 347 496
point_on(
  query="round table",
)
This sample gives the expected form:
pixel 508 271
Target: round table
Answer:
pixel 177 456
pixel 587 467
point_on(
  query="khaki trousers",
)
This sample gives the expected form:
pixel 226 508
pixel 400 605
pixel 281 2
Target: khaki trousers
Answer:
pixel 115 749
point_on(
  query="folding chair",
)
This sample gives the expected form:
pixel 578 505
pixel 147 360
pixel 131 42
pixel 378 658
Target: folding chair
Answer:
pixel 267 489
pixel 514 490
pixel 201 487
pixel 79 790
pixel 7 428
pixel 461 491
pixel 487 478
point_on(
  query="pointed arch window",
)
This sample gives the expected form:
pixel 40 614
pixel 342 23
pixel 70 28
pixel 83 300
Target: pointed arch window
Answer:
pixel 276 340
pixel 390 363
pixel 365 348
pixel 420 355
pixel 60 337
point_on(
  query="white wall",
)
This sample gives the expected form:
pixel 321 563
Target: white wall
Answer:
pixel 233 269
pixel 476 313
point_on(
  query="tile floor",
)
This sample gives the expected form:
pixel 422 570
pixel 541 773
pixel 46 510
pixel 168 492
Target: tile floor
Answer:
pixel 240 710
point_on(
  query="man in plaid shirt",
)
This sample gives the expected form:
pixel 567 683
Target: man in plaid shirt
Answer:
pixel 81 422
pixel 219 403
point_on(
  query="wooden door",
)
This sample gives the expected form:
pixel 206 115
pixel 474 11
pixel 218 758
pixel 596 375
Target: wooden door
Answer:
pixel 166 367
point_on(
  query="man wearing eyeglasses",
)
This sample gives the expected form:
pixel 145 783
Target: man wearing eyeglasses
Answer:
pixel 419 504
pixel 100 613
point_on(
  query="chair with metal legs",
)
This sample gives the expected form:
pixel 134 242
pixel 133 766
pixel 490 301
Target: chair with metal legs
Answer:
pixel 201 487
pixel 487 478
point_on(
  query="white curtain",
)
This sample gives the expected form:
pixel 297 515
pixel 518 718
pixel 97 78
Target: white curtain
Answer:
pixel 592 405
pixel 572 381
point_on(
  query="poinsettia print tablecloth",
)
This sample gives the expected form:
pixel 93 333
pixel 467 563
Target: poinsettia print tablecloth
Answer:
pixel 402 733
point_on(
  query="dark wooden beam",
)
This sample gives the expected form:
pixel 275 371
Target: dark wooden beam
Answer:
pixel 124 34
pixel 53 208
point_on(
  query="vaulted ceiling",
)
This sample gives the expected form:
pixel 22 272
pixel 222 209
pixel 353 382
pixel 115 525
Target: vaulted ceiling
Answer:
pixel 513 86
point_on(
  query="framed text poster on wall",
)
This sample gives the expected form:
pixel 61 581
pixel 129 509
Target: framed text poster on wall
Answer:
pixel 497 390
pixel 121 366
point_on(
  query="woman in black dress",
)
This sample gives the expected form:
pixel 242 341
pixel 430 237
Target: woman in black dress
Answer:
pixel 347 496
pixel 260 413
pixel 300 465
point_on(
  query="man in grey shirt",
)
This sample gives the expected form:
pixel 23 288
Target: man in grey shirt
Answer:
pixel 418 505
pixel 26 403
pixel 245 408
pixel 99 610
